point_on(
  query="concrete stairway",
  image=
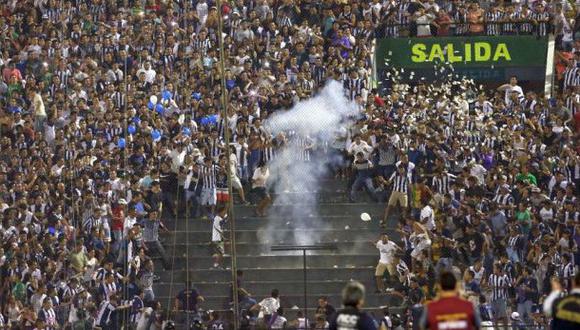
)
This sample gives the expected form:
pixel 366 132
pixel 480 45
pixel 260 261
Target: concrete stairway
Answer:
pixel 324 217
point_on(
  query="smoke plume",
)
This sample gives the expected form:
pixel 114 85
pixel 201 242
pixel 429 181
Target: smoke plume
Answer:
pixel 295 179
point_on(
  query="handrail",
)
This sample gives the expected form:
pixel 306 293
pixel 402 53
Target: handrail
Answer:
pixel 460 29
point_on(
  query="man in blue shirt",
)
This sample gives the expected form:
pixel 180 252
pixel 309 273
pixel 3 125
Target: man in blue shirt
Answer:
pixel 187 299
pixel 351 317
pixel 151 227
pixel 137 306
pixel 498 221
pixel 364 169
pixel 471 284
pixel 526 294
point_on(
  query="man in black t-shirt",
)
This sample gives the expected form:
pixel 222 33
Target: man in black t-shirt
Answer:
pixel 187 299
pixel 155 197
pixel 472 244
pixel 351 317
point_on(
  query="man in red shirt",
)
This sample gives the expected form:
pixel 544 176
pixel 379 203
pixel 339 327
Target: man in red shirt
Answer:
pixel 118 221
pixel 450 311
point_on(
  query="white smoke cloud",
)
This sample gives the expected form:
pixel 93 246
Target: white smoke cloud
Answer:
pixel 323 113
pixel 295 181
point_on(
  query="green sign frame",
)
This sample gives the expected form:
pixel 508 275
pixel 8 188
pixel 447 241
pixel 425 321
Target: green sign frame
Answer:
pixel 462 52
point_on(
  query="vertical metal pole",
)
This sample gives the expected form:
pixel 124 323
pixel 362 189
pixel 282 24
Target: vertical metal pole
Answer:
pixel 305 288
pixel 125 176
pixel 550 65
pixel 227 138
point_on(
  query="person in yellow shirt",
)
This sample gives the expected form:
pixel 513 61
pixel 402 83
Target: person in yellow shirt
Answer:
pixel 78 259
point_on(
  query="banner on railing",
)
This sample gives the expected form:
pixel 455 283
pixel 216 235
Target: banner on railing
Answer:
pixel 462 52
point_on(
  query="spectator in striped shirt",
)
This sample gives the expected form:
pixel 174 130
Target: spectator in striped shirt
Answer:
pixel 567 271
pixel 492 20
pixel 541 19
pixel 47 315
pixel 208 178
pixel 151 226
pixel 401 182
pixel 108 314
pixel 510 20
pixel 572 74
pixel 526 24
pixel 499 283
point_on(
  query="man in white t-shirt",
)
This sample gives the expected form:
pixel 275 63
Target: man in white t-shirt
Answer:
pixel 259 188
pixel 387 250
pixel 511 87
pixel 268 306
pixel 358 145
pixel 423 18
pixel 217 236
pixel 477 170
pixel 202 10
pixel 427 216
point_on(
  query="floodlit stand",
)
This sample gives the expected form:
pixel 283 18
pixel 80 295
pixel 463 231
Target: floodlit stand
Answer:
pixel 304 248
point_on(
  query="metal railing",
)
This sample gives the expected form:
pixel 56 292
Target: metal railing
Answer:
pixel 460 29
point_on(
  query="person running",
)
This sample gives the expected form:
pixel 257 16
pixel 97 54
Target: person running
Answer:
pixel 387 250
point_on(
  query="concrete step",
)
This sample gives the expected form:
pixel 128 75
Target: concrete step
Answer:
pixel 277 261
pixel 181 248
pixel 324 196
pixel 263 288
pixel 284 216
pixel 356 229
pixel 322 209
pixel 315 273
pixel 322 216
pixel 324 185
pixel 288 300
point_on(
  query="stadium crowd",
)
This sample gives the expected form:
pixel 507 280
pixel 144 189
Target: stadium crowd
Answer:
pixel 110 125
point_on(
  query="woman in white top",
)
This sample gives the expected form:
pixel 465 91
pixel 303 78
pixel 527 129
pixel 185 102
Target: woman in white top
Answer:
pixel 259 180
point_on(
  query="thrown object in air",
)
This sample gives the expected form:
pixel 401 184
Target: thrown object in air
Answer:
pixel 365 217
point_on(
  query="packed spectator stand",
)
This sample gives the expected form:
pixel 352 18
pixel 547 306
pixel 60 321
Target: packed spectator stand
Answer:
pixel 111 126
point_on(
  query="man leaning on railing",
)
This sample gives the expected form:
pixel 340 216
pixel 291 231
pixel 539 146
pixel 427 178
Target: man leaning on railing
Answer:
pixel 472 20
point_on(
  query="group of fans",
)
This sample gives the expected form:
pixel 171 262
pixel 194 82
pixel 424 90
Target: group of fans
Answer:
pixel 460 18
pixel 111 125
